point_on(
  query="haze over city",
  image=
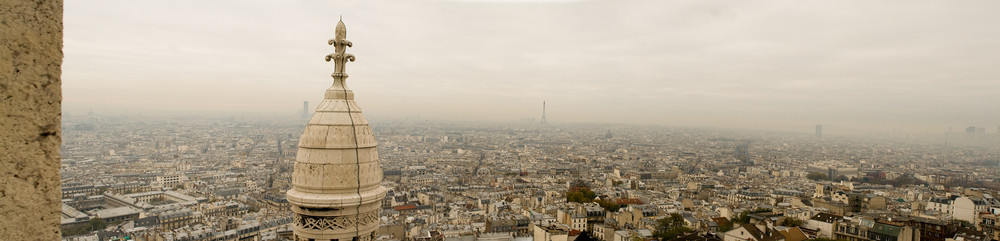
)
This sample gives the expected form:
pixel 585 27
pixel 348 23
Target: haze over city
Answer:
pixel 499 120
pixel 853 66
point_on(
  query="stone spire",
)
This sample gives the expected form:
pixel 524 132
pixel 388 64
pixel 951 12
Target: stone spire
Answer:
pixel 336 185
pixel 339 56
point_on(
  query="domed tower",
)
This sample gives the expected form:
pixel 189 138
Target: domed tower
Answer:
pixel 336 186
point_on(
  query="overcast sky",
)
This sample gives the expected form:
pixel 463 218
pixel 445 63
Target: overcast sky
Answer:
pixel 850 65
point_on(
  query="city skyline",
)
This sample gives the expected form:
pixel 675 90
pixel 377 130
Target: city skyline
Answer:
pixel 855 66
pixel 670 121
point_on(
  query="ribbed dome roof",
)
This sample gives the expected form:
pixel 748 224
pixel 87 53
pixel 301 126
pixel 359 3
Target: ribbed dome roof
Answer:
pixel 336 185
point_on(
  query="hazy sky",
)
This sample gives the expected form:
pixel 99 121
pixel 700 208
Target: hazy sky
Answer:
pixel 850 65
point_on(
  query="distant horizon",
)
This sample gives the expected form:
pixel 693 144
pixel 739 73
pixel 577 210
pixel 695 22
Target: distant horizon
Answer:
pixel 854 66
pixel 828 129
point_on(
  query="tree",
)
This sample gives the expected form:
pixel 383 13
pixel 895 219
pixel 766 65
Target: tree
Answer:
pixel 609 206
pixel 670 227
pixel 574 197
pixel 816 176
pixel 905 180
pixel 726 228
pixel 741 218
pixel 588 194
pixel 791 222
pixel 669 222
pixel 97 224
pixel 581 195
pixel 966 224
pixel 674 233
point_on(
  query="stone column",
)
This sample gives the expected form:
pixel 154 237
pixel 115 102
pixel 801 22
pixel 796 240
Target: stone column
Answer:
pixel 30 115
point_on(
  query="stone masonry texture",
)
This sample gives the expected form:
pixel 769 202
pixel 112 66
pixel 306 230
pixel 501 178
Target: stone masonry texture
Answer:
pixel 30 115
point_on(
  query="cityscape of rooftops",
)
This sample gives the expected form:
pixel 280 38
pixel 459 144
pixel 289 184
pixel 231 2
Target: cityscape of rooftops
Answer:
pixel 469 120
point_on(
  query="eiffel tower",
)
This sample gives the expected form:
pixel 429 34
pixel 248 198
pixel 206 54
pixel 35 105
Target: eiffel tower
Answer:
pixel 543 114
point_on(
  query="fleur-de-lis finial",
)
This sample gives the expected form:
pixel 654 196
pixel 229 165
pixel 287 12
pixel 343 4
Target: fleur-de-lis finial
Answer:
pixel 340 57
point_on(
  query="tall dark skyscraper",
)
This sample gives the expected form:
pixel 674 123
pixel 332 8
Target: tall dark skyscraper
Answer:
pixel 819 131
pixel 742 153
pixel 305 109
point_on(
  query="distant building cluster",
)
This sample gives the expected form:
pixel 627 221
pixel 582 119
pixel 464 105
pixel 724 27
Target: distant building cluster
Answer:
pixel 225 179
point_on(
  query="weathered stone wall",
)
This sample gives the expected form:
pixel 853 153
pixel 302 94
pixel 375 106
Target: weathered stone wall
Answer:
pixel 30 113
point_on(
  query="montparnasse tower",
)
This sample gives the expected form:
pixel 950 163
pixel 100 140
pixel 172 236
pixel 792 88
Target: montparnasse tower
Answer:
pixel 336 186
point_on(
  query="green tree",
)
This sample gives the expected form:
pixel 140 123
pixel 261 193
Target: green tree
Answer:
pixel 609 206
pixel 588 194
pixel 966 224
pixel 905 180
pixel 574 197
pixel 791 222
pixel 669 222
pixel 581 195
pixel 670 227
pixel 93 225
pixel 816 176
pixel 97 224
pixel 741 218
pixel 674 233
pixel 726 228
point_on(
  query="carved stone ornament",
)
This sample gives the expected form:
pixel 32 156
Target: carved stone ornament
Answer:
pixel 337 222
